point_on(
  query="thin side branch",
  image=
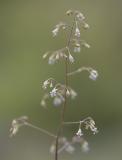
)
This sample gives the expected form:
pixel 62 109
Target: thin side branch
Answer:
pixel 40 129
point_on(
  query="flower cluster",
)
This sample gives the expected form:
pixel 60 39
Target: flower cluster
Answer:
pixel 88 123
pixel 58 92
pixel 75 41
pixel 16 124
pixel 59 26
pixel 57 55
pixel 69 146
pixel 49 82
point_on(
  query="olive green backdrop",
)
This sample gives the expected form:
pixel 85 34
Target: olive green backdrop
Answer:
pixel 25 34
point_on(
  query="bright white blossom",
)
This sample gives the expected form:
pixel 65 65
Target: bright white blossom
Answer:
pixel 59 26
pixel 53 93
pixel 45 84
pixel 71 59
pixel 93 74
pixel 90 124
pixel 80 16
pixel 79 133
pixel 86 45
pixel 86 26
pixel 77 32
pixel 73 94
pixel 55 32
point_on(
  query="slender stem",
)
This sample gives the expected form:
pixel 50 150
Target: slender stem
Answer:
pixel 67 123
pixel 79 70
pixel 40 129
pixel 65 102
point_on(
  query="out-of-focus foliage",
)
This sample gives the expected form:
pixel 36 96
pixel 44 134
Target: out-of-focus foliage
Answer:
pixel 25 35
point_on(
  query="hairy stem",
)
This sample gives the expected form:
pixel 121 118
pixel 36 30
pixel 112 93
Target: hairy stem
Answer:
pixel 65 102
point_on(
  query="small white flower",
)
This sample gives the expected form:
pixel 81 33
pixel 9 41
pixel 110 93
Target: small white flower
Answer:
pixel 45 84
pixel 86 26
pixel 51 84
pixel 57 101
pixel 51 60
pixel 85 146
pixel 90 124
pixel 77 49
pixel 53 93
pixel 55 31
pixel 73 94
pixel 70 149
pixel 94 129
pixel 14 129
pixel 16 124
pixel 79 133
pixel 52 149
pixel 45 55
pixel 43 103
pixel 93 75
pixel 67 92
pixel 71 59
pixel 69 12
pixel 80 16
pixel 86 45
pixel 77 32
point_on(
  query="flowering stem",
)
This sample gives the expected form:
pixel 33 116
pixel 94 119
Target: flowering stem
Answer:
pixel 40 129
pixel 65 102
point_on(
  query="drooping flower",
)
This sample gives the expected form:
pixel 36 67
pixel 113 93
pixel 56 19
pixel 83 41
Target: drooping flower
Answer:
pixel 79 133
pixel 16 124
pixel 73 94
pixel 71 59
pixel 57 101
pixel 55 31
pixel 80 16
pixel 86 26
pixel 70 148
pixel 93 74
pixel 77 32
pixel 90 124
pixel 85 146
pixel 85 44
pixel 60 25
pixel 45 84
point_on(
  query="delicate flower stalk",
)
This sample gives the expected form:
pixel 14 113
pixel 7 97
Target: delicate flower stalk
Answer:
pixel 93 74
pixel 61 92
pixel 23 121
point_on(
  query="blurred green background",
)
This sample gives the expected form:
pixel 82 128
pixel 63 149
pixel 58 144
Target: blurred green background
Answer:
pixel 25 35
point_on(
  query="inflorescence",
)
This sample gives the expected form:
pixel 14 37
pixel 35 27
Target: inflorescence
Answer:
pixel 60 92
